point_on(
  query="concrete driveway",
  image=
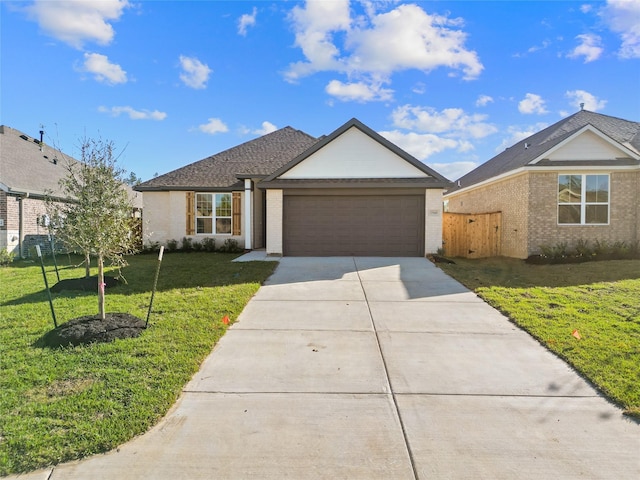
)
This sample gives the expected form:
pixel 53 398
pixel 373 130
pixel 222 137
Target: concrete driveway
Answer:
pixel 376 368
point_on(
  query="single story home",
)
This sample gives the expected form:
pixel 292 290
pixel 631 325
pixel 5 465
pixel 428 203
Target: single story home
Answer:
pixel 577 180
pixel 30 171
pixel 351 192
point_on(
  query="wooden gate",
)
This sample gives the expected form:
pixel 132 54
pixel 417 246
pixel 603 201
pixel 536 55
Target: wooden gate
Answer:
pixel 472 235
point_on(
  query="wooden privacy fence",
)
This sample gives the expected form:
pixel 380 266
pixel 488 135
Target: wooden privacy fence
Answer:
pixel 472 235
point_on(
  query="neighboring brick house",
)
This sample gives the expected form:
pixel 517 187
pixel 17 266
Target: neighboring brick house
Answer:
pixel 578 179
pixel 29 171
pixel 348 193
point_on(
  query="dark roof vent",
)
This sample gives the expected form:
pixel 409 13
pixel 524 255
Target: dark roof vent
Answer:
pixel 24 137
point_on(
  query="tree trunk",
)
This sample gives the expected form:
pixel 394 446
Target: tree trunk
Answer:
pixel 101 286
pixel 87 265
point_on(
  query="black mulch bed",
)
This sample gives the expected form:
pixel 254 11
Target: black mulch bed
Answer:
pixel 439 258
pixel 88 284
pixel 92 329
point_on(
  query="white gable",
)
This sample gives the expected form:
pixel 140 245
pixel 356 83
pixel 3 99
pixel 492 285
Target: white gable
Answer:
pixel 587 146
pixel 353 154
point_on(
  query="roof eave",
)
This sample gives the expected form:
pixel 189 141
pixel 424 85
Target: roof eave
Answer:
pixel 427 183
pixel 187 188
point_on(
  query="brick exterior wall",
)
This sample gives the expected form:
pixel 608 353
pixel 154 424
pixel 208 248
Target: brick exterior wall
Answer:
pixel 508 196
pixel 623 213
pixel 528 203
pixel 33 234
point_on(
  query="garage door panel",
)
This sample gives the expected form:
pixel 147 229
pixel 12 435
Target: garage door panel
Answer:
pixel 354 225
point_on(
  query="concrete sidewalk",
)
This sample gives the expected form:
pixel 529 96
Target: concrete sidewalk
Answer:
pixel 376 368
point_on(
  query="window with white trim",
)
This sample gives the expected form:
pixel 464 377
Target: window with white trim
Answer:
pixel 583 199
pixel 213 213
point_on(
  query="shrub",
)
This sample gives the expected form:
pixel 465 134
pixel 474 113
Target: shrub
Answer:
pixel 209 244
pixel 187 244
pixel 230 246
pixel 6 257
pixel 602 247
pixel 197 246
pixel 559 250
pixel 151 247
pixel 620 249
pixel 172 245
pixel 582 248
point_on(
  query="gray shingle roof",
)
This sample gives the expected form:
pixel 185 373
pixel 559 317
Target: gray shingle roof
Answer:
pixel 24 168
pixel 258 158
pixel 625 132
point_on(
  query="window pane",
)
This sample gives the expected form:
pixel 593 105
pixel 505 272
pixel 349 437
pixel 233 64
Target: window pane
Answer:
pixel 568 213
pixel 569 188
pixel 223 205
pixel 204 205
pixel 223 225
pixel 203 225
pixel 597 214
pixel 598 188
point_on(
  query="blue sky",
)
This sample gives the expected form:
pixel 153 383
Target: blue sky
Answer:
pixel 451 82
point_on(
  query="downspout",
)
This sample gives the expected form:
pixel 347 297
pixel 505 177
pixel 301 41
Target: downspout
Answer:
pixel 21 224
pixel 248 202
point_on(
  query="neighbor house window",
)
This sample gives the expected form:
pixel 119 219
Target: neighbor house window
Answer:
pixel 213 213
pixel 583 199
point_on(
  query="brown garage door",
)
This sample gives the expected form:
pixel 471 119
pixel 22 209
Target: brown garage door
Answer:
pixel 367 225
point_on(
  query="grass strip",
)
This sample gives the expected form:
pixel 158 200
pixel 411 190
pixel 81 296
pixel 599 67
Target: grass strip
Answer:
pixel 63 404
pixel 588 314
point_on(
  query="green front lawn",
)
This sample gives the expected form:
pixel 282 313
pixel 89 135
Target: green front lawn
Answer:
pixel 63 404
pixel 599 300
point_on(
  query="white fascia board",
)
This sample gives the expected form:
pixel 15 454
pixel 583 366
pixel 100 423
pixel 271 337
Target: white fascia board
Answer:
pixel 595 131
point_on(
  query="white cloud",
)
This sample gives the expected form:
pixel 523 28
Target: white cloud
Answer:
pixel 314 26
pixel 195 74
pixel 358 91
pixel 246 21
pixel 591 102
pixel 267 127
pixel 103 70
pixel 590 47
pixel 420 145
pixel 622 18
pixel 424 131
pixel 453 122
pixel 586 8
pixel 484 100
pixel 454 170
pixel 214 125
pixel 369 48
pixel 420 41
pixel 532 103
pixel 545 44
pixel 78 21
pixel 133 113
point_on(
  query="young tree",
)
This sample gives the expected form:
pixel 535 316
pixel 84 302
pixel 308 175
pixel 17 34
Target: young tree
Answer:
pixel 97 220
